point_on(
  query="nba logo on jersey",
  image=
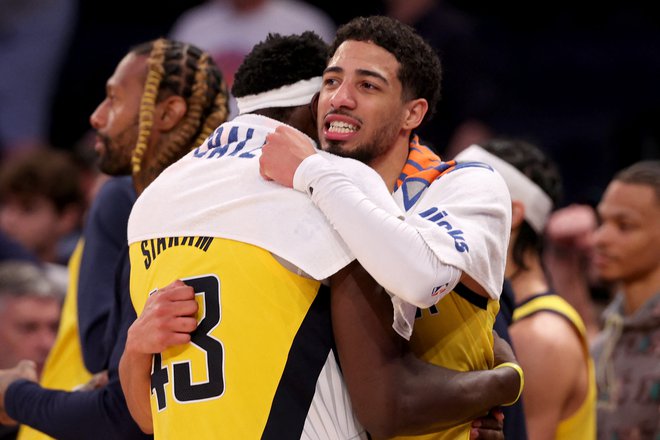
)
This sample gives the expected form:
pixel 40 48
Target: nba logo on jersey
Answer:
pixel 439 290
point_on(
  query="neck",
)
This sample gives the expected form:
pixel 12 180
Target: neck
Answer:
pixel 390 164
pixel 526 282
pixel 638 292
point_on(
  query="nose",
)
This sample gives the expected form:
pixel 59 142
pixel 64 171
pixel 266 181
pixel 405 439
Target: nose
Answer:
pixel 342 97
pixel 98 119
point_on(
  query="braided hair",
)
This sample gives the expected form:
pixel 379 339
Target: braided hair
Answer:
pixel 176 69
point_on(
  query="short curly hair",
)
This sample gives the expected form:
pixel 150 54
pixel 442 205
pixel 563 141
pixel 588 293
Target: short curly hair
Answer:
pixel 420 73
pixel 279 61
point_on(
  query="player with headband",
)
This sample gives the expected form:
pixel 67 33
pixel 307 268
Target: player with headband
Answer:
pixel 548 333
pixel 260 362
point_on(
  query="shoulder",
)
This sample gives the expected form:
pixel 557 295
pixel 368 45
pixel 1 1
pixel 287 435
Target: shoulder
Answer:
pixel 477 188
pixel 548 334
pixel 116 189
pixel 113 203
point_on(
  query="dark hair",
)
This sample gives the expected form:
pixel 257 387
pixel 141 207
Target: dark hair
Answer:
pixel 181 69
pixel 646 172
pixel 420 72
pixel 540 169
pixel 280 60
pixel 50 173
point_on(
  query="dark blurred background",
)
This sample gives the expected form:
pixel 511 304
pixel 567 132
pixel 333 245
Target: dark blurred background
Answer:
pixel 580 81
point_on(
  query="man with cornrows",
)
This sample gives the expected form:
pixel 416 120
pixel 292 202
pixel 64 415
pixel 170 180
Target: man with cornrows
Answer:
pixel 164 98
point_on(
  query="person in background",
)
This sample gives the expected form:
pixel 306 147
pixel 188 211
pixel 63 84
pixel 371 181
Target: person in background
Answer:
pixel 560 395
pixel 228 29
pixel 29 313
pixel 41 201
pixel 30 305
pixel 627 351
pixel 164 98
pixel 568 257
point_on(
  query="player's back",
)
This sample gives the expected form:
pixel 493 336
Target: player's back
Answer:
pixel 260 364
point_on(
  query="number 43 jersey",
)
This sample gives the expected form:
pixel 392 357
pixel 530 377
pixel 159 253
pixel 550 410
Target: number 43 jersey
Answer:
pixel 260 364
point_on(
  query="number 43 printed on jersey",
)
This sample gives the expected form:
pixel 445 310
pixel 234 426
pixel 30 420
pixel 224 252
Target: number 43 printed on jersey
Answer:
pixel 180 372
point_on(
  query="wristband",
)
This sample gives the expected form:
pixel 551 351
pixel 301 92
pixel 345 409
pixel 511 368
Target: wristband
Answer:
pixel 520 373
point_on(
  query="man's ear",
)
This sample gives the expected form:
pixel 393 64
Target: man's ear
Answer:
pixel 169 112
pixel 414 115
pixel 517 213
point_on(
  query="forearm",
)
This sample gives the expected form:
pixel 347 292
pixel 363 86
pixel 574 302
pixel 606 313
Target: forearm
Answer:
pixel 435 398
pixel 95 300
pixel 98 414
pixel 390 249
pixel 134 372
pixel 393 392
pixel 105 240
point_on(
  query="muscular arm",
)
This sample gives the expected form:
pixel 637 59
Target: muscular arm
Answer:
pixel 167 320
pixel 392 391
pixel 409 257
pixel 135 374
pixel 390 249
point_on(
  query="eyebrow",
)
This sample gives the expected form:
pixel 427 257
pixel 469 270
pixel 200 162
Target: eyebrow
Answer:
pixel 362 72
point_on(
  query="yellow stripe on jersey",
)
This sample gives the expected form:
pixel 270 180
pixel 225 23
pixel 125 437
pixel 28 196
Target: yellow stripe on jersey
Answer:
pixel 64 368
pixel 251 309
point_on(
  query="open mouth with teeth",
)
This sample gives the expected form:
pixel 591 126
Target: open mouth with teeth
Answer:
pixel 339 128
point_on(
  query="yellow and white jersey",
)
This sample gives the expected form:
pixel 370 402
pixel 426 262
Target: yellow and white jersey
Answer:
pixel 261 362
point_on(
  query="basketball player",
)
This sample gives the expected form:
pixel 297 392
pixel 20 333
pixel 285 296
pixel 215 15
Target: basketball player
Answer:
pixel 260 362
pixel 164 98
pixel 381 83
pixel 560 394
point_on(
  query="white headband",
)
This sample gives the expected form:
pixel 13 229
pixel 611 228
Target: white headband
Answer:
pixel 291 95
pixel 538 204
